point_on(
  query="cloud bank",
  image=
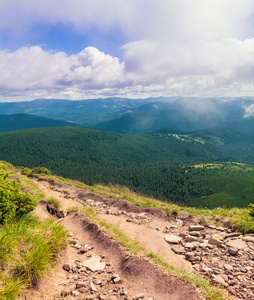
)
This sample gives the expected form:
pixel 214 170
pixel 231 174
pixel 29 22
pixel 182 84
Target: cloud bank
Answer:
pixel 198 47
pixel 249 111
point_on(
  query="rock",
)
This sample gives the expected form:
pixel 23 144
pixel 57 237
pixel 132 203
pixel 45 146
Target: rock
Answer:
pixel 213 241
pixel 93 287
pixel 183 215
pixel 54 211
pixel 189 256
pixel 190 239
pixel 75 293
pixel 68 290
pixel 220 280
pixel 195 233
pixel 224 277
pixel 248 239
pixel 138 296
pixel 93 264
pixel 67 267
pixel 80 284
pixel 219 236
pixel 228 267
pixel 82 290
pixel 206 269
pixel 233 234
pixel 172 239
pixel 191 246
pixel 196 227
pixel 83 249
pixel 232 251
pixel 116 278
pixel 233 282
pixel 178 249
pixel 238 244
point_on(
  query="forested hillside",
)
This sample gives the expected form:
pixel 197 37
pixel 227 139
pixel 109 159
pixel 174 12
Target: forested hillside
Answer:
pixel 154 164
pixel 26 121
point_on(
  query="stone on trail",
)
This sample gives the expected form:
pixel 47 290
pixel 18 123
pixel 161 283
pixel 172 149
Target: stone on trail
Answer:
pixel 220 280
pixel 213 241
pixel 93 264
pixel 189 256
pixel 238 244
pixel 138 296
pixel 67 267
pixel 196 227
pixel 248 239
pixel 178 249
pixel 232 251
pixel 172 239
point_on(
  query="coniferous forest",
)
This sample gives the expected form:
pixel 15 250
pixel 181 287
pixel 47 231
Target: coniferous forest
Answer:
pixel 198 169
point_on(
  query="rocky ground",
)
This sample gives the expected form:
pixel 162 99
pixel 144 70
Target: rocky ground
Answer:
pixel 99 268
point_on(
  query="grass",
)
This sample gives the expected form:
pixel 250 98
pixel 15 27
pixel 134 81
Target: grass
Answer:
pixel 241 217
pixel 54 202
pixel 211 291
pixel 28 248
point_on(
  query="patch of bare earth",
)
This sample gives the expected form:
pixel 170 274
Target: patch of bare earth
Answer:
pixel 116 274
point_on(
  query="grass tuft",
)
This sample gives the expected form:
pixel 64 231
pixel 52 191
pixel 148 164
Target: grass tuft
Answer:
pixel 28 248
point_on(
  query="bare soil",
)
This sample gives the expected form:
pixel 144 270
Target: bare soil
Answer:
pixel 137 275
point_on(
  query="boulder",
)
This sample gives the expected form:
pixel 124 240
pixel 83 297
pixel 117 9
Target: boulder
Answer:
pixel 173 239
pixel 238 244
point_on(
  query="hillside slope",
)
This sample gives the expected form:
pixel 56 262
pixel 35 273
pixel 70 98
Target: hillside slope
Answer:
pixel 26 121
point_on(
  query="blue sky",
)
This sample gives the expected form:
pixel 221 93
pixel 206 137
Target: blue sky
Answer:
pixel 133 48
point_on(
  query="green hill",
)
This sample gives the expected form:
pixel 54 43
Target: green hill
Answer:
pixel 154 164
pixel 26 121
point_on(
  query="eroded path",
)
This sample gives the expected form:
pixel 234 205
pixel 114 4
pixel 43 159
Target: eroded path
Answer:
pixel 122 276
pixel 224 256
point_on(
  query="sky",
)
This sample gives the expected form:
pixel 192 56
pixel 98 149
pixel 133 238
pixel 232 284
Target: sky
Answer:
pixel 80 49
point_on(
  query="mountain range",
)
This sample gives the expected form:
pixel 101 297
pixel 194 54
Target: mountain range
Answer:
pixel 144 115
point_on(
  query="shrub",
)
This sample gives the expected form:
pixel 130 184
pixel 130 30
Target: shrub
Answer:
pixel 39 171
pixel 251 209
pixel 13 202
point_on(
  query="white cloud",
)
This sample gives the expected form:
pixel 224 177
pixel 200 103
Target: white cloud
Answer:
pixel 201 68
pixel 34 69
pixel 249 111
pixel 142 19
pixel 197 47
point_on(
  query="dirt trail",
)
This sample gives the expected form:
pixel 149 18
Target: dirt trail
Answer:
pixel 136 276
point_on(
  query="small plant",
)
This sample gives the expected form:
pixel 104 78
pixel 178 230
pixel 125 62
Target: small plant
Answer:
pixel 54 202
pixel 251 209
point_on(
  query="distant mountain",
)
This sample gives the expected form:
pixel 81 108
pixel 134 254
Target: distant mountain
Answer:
pixel 144 115
pixel 26 121
pixel 183 114
pixel 83 112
